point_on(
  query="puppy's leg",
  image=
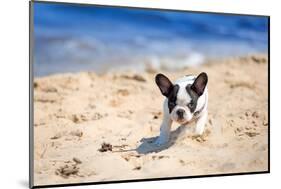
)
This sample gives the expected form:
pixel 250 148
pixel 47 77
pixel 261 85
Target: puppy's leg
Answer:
pixel 164 130
pixel 200 124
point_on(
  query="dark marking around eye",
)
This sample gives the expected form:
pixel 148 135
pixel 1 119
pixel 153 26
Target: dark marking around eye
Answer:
pixel 172 98
pixel 194 98
pixel 190 105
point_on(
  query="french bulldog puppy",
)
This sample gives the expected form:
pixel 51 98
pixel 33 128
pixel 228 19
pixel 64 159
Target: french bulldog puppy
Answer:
pixel 186 101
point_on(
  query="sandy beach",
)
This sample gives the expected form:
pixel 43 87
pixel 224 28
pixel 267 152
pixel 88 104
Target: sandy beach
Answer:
pixel 75 113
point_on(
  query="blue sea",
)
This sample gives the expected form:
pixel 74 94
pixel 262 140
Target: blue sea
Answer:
pixel 72 38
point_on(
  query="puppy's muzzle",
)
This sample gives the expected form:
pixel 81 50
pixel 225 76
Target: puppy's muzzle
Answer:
pixel 180 114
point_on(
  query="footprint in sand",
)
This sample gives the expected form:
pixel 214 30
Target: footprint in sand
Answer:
pixel 80 118
pixel 71 168
pixel 249 131
pixel 202 138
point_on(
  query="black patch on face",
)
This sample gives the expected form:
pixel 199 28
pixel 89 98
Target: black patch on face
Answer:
pixel 194 98
pixel 172 98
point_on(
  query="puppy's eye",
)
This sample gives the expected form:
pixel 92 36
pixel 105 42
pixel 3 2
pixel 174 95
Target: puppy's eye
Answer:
pixel 191 105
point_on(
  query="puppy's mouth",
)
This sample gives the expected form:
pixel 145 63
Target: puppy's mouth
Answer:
pixel 182 121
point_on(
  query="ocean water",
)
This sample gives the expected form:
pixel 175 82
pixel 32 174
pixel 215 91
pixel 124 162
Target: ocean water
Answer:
pixel 72 38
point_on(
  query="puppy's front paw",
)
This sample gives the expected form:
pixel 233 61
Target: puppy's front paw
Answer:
pixel 199 132
pixel 161 140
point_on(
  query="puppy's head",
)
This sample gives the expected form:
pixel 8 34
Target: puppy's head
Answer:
pixel 182 98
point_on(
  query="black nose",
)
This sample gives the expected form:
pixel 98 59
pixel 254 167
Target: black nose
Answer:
pixel 180 113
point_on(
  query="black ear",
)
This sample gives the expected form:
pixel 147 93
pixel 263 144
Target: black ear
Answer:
pixel 200 83
pixel 164 84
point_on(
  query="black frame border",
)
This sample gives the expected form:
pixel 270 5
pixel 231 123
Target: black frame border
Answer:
pixel 31 99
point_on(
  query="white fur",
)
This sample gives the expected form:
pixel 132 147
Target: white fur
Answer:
pixel 182 99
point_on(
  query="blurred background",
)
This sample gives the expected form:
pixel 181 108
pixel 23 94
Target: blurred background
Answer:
pixel 72 38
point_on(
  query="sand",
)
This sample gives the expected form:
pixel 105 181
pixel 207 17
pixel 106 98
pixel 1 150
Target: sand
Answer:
pixel 74 114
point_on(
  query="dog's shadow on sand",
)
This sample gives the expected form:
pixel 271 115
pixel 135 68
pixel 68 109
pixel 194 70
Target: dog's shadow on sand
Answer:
pixel 148 146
